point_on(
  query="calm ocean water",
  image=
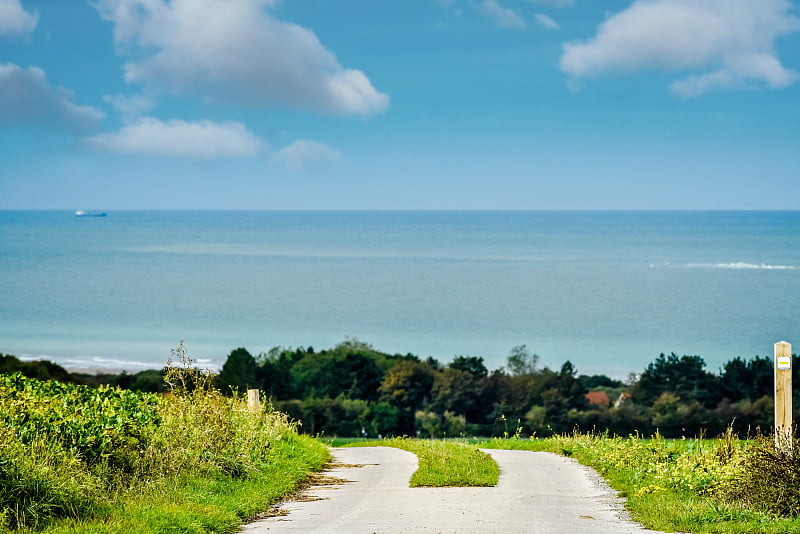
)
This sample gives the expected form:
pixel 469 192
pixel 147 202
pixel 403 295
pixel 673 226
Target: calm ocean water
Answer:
pixel 607 290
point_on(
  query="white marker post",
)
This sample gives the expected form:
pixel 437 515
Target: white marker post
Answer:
pixel 254 400
pixel 783 396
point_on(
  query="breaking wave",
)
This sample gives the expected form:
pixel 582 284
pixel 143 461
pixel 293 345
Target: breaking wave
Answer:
pixel 743 266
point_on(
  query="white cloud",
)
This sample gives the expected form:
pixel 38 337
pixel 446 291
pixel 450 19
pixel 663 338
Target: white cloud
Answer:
pixel 546 22
pixel 131 107
pixel 200 140
pixel 554 3
pixel 302 154
pixel 736 73
pixel 27 99
pixel 235 50
pixel 723 44
pixel 503 17
pixel 14 20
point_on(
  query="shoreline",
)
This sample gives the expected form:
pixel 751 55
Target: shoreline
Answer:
pixel 97 365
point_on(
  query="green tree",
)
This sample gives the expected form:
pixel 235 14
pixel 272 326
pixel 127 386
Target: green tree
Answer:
pixel 381 418
pixel 750 379
pixel 522 362
pixel 471 364
pixel 684 377
pixel 238 372
pixel 274 372
pixel 407 385
pixel 665 415
pixel 150 380
pixel 457 391
pixel 330 374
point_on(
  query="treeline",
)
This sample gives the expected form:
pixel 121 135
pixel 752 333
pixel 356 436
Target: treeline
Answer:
pixel 151 380
pixel 353 390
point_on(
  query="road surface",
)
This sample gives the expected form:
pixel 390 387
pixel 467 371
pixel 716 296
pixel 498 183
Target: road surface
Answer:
pixel 367 491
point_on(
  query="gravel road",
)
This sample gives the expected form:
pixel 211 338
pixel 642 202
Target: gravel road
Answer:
pixel 368 492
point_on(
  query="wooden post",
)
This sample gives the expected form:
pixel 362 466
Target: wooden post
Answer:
pixel 253 400
pixel 783 396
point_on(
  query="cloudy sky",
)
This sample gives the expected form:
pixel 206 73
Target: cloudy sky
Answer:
pixel 414 104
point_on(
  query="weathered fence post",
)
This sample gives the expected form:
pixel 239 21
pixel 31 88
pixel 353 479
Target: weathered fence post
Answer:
pixel 783 396
pixel 253 400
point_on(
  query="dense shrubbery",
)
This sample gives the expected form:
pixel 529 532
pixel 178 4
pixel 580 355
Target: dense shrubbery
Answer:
pixel 353 388
pixel 62 445
pixel 96 425
pixel 74 451
pixel 768 480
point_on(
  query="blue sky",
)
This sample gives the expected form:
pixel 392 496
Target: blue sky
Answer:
pixel 420 104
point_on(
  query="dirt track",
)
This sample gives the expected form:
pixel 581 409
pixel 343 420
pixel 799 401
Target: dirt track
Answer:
pixel 538 492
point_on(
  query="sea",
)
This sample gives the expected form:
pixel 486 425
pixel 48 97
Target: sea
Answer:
pixel 608 291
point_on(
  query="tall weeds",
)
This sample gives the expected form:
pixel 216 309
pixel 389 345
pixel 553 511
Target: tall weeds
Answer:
pixel 73 451
pixel 203 430
pixel 768 480
pixel 39 481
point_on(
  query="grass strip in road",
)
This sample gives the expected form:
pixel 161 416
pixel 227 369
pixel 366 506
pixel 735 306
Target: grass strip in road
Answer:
pixel 444 463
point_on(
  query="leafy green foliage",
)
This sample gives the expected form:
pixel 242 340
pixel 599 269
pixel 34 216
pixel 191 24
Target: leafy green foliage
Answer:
pixel 239 372
pixel 43 370
pixel 684 376
pixel 95 424
pixel 62 445
pixel 769 480
pixel 675 395
pixel 354 389
pixel 521 361
pixel 93 455
pixel 149 380
pixel 747 379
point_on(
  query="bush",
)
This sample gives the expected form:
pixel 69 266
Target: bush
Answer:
pixel 96 425
pixel 204 431
pixel 768 481
pixel 72 451
pixel 63 445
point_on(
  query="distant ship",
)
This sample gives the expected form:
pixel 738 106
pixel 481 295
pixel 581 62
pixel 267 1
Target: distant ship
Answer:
pixel 82 213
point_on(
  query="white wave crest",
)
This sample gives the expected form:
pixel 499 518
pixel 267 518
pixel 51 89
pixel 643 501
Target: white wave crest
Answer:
pixel 742 265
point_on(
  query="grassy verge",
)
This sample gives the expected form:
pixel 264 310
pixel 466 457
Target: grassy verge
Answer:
pixel 442 463
pixel 669 485
pixel 202 503
pixel 77 459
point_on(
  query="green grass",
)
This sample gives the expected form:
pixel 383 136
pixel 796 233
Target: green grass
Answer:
pixel 669 485
pixel 204 503
pixel 81 460
pixel 442 463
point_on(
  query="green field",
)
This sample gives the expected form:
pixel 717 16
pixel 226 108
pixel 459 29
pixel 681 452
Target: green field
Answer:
pixel 81 459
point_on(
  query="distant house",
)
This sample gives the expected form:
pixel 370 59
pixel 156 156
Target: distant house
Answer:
pixel 622 398
pixel 599 398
